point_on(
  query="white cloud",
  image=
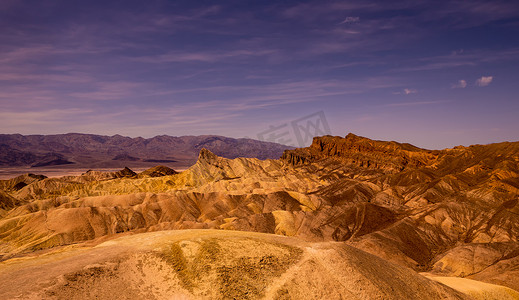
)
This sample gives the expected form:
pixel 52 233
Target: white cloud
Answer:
pixel 207 57
pixel 350 20
pixel 460 85
pixel 406 92
pixel 484 80
pixel 409 91
pixel 416 103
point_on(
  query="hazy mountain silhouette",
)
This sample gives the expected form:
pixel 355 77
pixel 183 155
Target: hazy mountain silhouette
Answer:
pixel 89 150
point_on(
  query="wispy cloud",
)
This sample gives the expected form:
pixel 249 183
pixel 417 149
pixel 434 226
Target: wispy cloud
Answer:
pixel 484 81
pixel 406 91
pixel 457 59
pixel 112 91
pixel 314 10
pixel 466 14
pixel 418 103
pixel 452 14
pixel 20 98
pixel 460 85
pixel 199 56
pixel 294 91
pixel 350 20
pixel 130 121
pixel 24 121
pixel 22 74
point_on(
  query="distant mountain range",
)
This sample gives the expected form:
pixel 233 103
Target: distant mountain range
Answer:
pixel 98 151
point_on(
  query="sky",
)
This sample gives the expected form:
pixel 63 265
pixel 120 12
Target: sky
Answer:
pixel 432 73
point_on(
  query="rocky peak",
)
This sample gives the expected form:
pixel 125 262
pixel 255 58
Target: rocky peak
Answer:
pixel 157 171
pixel 206 155
pixel 126 172
pixel 19 182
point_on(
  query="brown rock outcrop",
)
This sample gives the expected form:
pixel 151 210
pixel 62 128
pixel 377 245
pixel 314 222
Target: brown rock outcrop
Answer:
pixel 362 152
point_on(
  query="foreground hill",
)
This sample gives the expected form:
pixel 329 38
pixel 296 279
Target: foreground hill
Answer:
pixel 94 151
pixel 208 264
pixel 446 212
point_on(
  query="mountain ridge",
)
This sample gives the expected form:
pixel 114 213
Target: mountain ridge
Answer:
pixel 91 151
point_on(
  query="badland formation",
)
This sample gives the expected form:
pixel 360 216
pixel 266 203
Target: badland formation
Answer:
pixel 345 218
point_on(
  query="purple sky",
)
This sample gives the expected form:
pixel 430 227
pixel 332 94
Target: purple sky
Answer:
pixel 432 73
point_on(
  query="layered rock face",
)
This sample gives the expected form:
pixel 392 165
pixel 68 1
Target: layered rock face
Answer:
pixel 449 212
pixel 362 152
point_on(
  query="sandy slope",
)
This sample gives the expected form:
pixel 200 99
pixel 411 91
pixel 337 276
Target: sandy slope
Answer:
pixel 477 289
pixel 212 264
